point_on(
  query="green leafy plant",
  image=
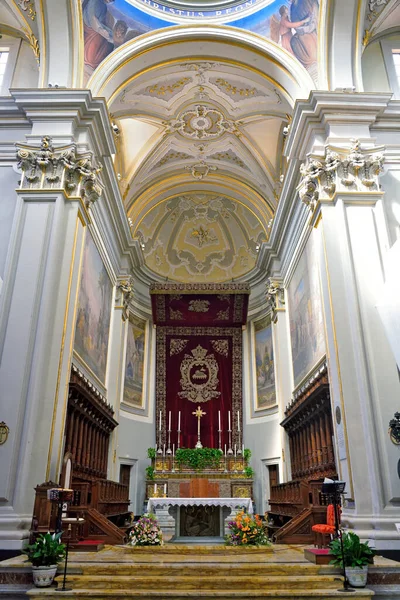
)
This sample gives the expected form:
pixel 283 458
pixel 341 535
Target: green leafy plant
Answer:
pixel 46 551
pixel 356 553
pixel 246 530
pixel 151 453
pixel 247 454
pixel 150 472
pixel 248 471
pixel 198 459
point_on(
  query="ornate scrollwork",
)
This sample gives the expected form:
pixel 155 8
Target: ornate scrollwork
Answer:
pixel 60 168
pixel 176 346
pixel 199 306
pixel 221 346
pixel 341 169
pixel 201 123
pixel 199 376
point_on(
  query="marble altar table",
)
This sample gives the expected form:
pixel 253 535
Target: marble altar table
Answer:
pixel 192 519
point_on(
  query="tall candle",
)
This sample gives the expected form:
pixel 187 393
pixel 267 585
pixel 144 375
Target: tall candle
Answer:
pixel 219 420
pixel 235 450
pixel 225 449
pixel 229 420
pixel 179 420
pixel 165 489
pixel 160 421
pixel 238 421
pixel 173 449
pixel 164 450
pixel 169 421
pixel 155 488
pixel 243 449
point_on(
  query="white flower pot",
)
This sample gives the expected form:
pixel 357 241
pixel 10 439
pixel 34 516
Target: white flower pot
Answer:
pixel 44 576
pixel 357 576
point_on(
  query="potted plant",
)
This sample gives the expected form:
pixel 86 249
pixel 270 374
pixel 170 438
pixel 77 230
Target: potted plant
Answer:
pixel 357 555
pixel 44 554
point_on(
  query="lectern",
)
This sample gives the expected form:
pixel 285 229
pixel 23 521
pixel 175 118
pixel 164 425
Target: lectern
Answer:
pixel 334 489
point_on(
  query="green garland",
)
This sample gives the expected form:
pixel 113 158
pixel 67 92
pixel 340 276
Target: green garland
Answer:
pixel 150 472
pixel 151 453
pixel 199 458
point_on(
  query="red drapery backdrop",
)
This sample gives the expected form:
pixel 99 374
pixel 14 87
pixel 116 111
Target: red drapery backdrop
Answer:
pixel 199 366
pixel 199 360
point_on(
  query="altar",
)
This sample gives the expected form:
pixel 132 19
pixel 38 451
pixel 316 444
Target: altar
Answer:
pixel 195 519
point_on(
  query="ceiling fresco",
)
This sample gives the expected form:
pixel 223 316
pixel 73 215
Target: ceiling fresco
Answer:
pixel 200 237
pixel 292 24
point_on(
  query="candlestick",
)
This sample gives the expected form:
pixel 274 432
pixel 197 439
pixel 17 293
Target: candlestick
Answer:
pixel 160 426
pixel 238 419
pixel 229 420
pixel 219 420
pixel 235 450
pixel 173 450
pixel 169 433
pixel 165 489
pixel 155 489
pixel 225 469
pixel 179 429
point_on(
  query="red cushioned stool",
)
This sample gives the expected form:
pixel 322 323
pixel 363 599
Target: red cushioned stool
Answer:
pixel 323 532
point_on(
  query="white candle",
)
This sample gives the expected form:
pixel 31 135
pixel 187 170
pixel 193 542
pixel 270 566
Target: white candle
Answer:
pixel 169 421
pixel 165 489
pixel 173 449
pixel 235 450
pixel 160 421
pixel 229 420
pixel 225 449
pixel 155 488
pixel 219 420
pixel 164 450
pixel 179 420
pixel 238 421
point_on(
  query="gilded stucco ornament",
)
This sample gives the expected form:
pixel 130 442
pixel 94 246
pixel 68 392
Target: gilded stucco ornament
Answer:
pixel 201 123
pixel 342 169
pixel 275 295
pixel 49 168
pixel 200 170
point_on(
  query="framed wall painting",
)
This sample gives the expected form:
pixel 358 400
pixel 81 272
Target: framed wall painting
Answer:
pixel 134 363
pixel 306 319
pixel 93 312
pixel 265 367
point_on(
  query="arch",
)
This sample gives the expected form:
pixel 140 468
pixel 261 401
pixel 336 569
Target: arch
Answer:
pixel 209 41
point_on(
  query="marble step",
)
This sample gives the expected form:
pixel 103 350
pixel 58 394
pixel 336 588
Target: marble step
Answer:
pixel 154 570
pixel 199 581
pixel 229 594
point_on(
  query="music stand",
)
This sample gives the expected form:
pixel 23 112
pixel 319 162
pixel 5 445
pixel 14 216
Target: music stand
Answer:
pixel 334 490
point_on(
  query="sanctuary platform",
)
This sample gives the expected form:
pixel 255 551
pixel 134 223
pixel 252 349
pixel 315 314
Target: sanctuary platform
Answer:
pixel 203 572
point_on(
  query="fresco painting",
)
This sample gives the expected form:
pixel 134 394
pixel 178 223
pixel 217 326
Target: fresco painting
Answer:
pixel 134 366
pixel 305 312
pixel 293 24
pixel 94 311
pixel 265 373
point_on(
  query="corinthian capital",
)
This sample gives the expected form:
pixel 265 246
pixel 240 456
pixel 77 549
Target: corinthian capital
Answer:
pixel 341 169
pixel 46 168
pixel 275 295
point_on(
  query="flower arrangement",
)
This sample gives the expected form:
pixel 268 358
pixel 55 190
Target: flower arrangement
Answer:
pixel 246 530
pixel 146 532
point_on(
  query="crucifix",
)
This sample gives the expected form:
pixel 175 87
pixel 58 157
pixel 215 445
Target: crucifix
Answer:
pixel 198 413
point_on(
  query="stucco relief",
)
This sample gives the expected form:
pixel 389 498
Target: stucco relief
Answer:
pixel 170 237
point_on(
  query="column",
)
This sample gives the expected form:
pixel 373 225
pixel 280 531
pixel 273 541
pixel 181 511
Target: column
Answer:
pixel 347 205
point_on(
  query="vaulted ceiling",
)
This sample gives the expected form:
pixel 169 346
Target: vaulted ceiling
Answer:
pixel 203 138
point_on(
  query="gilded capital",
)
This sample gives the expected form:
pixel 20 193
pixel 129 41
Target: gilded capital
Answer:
pixel 341 169
pixel 48 168
pixel 275 295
